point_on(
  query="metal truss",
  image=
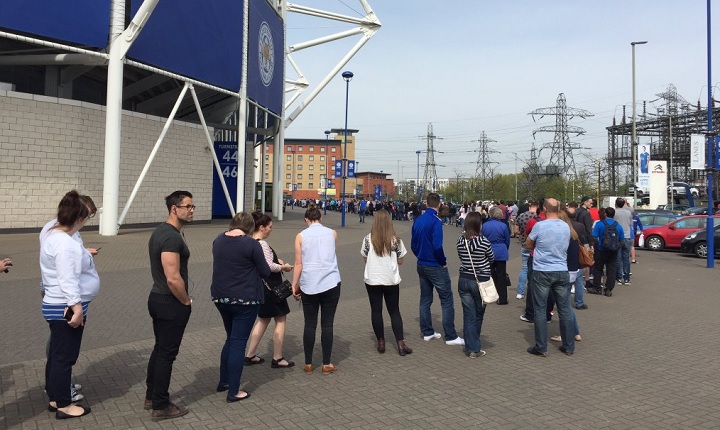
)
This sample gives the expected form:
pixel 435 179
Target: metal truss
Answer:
pixel 367 26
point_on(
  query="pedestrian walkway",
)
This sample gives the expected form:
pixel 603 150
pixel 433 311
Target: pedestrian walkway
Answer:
pixel 648 358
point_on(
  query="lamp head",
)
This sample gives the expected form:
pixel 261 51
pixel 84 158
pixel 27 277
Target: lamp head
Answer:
pixel 638 43
pixel 327 132
pixel 418 152
pixel 347 75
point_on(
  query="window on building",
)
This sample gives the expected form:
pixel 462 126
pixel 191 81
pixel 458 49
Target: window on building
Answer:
pixel 267 176
pixel 311 167
pixel 311 149
pixel 312 158
pixel 267 148
pixel 288 176
pixel 311 176
pixel 322 158
pixel 267 157
pixel 299 186
pixel 299 158
pixel 299 167
pixel 288 185
pixel 311 185
pixel 299 176
pixel 300 148
pixel 332 158
pixel 289 158
pixel 322 149
pixel 288 167
pixel 288 148
pixel 267 167
pixel 322 167
pixel 333 149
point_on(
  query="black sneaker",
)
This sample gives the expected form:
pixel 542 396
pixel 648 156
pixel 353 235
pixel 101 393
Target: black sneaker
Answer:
pixel 534 351
pixel 607 293
pixel 583 306
pixel 592 290
pixel 565 351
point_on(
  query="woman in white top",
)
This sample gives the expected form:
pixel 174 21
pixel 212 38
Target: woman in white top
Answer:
pixel 70 282
pixel 316 280
pixel 383 252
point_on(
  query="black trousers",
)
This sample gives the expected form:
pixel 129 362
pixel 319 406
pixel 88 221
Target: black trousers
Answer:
pixel 608 261
pixel 64 351
pixel 170 317
pixel 326 304
pixel 391 294
pixel 499 275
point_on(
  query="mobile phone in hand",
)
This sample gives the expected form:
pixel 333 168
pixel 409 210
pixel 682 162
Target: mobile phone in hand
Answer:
pixel 68 313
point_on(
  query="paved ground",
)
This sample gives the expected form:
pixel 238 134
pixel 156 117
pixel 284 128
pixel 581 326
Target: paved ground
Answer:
pixel 648 359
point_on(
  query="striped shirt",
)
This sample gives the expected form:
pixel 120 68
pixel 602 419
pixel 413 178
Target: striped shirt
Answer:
pixel 481 253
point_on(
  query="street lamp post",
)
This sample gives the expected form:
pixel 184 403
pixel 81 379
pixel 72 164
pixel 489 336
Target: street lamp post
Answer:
pixel 633 137
pixel 292 181
pixel 516 178
pixel 417 180
pixel 347 75
pixel 325 203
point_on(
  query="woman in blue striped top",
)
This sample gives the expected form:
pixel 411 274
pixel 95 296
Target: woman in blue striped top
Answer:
pixel 71 283
pixel 473 245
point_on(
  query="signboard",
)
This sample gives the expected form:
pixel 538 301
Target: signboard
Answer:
pixel 227 155
pixel 266 59
pixel 643 178
pixel 658 183
pixel 697 151
pixel 338 168
pixel 378 192
pixel 351 169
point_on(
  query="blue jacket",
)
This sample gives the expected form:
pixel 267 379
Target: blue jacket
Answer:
pixel 498 234
pixel 427 240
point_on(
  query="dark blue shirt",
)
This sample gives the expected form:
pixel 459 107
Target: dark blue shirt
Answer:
pixel 497 233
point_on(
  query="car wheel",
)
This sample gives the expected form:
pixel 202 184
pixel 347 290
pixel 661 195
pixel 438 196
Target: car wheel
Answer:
pixel 655 243
pixel 701 249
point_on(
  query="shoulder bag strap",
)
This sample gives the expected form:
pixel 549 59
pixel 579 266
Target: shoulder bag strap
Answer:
pixel 471 261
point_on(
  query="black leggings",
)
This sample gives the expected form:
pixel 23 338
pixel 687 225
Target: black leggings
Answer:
pixel 325 302
pixel 392 302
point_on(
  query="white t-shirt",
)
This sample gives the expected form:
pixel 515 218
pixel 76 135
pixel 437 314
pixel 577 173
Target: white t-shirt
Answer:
pixel 67 269
pixel 382 270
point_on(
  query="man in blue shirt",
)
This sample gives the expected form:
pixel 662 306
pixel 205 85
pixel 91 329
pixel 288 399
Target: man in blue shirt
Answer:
pixel 362 206
pixel 605 258
pixel 550 240
pixel 427 245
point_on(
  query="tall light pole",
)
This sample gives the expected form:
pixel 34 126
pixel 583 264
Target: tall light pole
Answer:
pixel 292 181
pixel 633 144
pixel 347 75
pixel 516 177
pixel 325 203
pixel 711 163
pixel 417 180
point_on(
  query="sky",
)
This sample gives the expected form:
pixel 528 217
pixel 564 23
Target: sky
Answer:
pixel 480 65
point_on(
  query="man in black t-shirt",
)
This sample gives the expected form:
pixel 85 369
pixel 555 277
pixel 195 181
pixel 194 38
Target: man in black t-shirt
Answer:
pixel 169 303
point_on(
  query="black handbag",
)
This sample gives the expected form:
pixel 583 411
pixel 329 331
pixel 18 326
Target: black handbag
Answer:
pixel 281 291
pixel 507 280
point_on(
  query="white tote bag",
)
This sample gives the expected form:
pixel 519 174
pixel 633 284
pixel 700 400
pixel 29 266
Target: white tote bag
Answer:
pixel 488 292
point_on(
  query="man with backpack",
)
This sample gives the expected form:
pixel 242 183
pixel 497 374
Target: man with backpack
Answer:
pixel 609 236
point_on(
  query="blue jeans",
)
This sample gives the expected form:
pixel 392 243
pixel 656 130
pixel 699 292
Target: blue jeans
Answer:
pixel 439 279
pixel 522 279
pixel 557 284
pixel 361 212
pixel 623 261
pixel 473 313
pixel 238 321
pixel 579 289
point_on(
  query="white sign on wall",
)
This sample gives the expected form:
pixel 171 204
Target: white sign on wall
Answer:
pixel 697 151
pixel 658 183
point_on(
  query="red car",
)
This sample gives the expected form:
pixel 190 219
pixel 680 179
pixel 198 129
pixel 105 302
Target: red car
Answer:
pixel 672 234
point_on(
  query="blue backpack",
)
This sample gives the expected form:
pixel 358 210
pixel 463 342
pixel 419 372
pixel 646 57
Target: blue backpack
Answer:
pixel 611 238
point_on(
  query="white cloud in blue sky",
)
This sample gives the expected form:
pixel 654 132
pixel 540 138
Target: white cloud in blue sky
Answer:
pixel 479 66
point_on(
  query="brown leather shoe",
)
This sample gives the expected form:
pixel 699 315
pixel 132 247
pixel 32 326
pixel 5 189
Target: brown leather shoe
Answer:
pixel 328 369
pixel 147 405
pixel 172 411
pixel 403 349
pixel 309 368
pixel 381 346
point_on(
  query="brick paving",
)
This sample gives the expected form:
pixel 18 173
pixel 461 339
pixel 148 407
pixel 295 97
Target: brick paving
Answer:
pixel 648 359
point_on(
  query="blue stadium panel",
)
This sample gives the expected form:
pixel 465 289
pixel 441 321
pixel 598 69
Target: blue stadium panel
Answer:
pixel 76 22
pixel 194 38
pixel 266 56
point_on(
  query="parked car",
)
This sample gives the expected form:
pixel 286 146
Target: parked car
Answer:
pixel 680 187
pixel 654 219
pixel 672 234
pixel 696 242
pixel 702 210
pixel 673 207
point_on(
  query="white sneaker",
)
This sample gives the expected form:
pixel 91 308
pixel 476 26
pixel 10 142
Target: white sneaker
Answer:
pixel 572 290
pixel 519 297
pixel 435 335
pixel 457 341
pixel 75 396
pixel 76 386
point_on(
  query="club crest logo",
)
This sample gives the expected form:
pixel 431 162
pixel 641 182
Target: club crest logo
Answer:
pixel 266 53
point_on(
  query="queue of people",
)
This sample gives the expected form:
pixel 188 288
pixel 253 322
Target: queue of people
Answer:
pixel 245 265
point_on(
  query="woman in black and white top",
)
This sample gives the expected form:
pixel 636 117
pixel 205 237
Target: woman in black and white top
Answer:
pixel 383 252
pixel 482 257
